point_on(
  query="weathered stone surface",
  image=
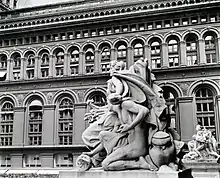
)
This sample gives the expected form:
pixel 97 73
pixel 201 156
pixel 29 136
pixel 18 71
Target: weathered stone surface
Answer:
pixel 206 169
pixel 164 172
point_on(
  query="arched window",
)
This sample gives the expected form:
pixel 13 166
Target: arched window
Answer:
pixel 30 66
pixel 138 51
pixel 30 60
pixel 205 109
pixel 65 132
pixel 191 49
pixel 210 48
pixel 90 58
pixel 74 62
pixel 59 63
pixel 105 60
pixel 7 117
pixel 170 96
pixel 3 62
pixel 45 65
pixel 98 98
pixel 35 113
pixel 59 58
pixel 122 52
pixel 173 53
pixel 45 59
pixel 16 65
pixel 155 54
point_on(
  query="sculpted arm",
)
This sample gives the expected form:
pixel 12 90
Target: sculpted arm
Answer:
pixel 132 107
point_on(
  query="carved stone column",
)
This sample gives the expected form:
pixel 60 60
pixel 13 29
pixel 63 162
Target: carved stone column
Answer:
pixel 81 63
pixel 202 55
pixel 38 60
pixel 113 54
pixel 22 70
pixel 182 47
pixel 130 57
pixel 36 67
pixel 97 61
pixel 147 54
pixel 66 64
pixel 164 57
pixel 25 68
pixel 9 71
pixel 52 66
pixel 218 50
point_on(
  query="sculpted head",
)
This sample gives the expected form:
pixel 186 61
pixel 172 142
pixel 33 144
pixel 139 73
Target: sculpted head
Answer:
pixel 115 99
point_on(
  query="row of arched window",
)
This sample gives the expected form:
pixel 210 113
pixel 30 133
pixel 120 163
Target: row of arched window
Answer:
pixel 172 53
pixel 205 113
pixel 35 112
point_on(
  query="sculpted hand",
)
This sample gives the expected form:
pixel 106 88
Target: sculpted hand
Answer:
pixel 124 128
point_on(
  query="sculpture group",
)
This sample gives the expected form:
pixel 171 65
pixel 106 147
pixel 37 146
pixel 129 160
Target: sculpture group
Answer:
pixel 202 147
pixel 133 130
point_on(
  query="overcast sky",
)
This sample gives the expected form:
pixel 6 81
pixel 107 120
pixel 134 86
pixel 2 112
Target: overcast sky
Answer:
pixel 28 3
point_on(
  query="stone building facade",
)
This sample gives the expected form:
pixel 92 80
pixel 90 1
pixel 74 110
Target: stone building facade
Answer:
pixel 55 57
pixel 6 5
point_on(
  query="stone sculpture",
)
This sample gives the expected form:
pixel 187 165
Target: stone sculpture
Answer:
pixel 203 147
pixel 133 130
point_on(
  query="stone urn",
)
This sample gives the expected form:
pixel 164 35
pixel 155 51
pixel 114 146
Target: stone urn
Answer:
pixel 162 149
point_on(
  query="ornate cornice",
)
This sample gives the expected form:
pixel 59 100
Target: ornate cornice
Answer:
pixel 94 11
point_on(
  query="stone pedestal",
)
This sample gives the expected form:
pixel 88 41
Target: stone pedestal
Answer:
pixel 206 169
pixel 97 173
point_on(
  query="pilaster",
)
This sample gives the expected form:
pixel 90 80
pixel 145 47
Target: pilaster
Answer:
pixel 147 54
pixel 22 69
pixel 182 47
pixel 51 66
pixel 11 70
pixel 18 126
pixel 202 55
pixel 8 75
pixel 25 68
pixel 113 54
pixel 66 64
pixel 164 57
pixel 130 57
pixel 218 50
pixel 187 117
pixel 97 61
pixel 48 130
pixel 81 63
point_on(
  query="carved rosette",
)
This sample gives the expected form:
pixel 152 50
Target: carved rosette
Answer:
pixel 20 98
pixel 49 97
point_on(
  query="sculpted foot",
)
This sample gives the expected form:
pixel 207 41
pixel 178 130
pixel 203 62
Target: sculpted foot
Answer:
pixel 144 164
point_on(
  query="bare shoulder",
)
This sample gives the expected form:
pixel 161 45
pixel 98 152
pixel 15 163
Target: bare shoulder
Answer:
pixel 129 104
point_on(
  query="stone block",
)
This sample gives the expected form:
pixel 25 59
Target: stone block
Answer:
pixel 98 173
pixel 205 169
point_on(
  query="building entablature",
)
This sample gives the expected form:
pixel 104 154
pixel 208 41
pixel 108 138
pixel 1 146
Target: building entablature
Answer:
pixel 98 14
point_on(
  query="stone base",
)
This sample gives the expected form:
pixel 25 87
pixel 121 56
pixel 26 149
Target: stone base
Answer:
pixel 205 169
pixel 164 172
